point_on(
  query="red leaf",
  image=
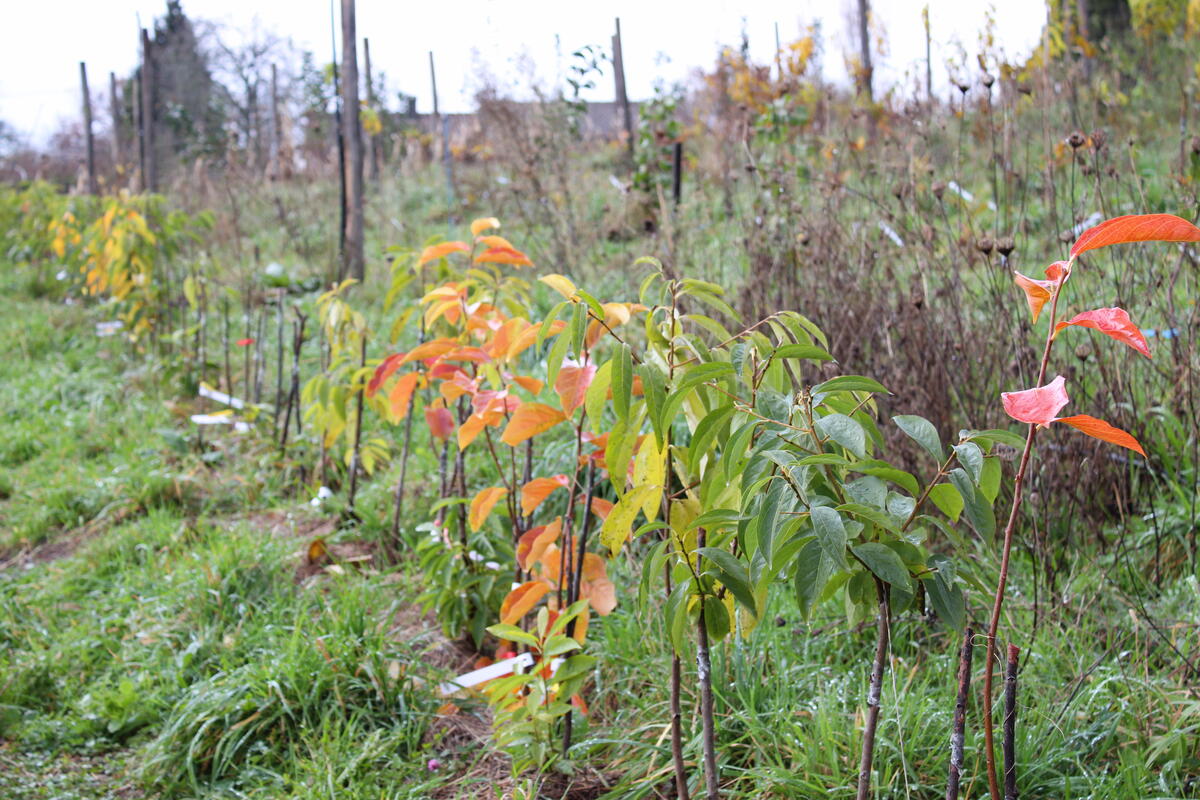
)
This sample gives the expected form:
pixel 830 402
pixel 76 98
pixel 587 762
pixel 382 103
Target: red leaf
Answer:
pixel 572 385
pixel 440 421
pixel 1038 406
pixel 384 371
pixel 1103 431
pixel 244 342
pixel 1112 322
pixel 1136 228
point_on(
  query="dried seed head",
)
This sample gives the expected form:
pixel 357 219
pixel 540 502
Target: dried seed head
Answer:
pixel 803 237
pixel 1076 140
pixel 1196 145
pixel 963 87
pixel 1066 237
pixel 1005 245
pixel 1111 171
pixel 1099 138
pixel 939 189
pixel 1086 169
pixel 984 245
pixel 988 79
pixel 1083 350
pixel 1024 88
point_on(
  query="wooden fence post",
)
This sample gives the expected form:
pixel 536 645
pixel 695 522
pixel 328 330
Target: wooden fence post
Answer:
pixel 118 131
pixel 149 157
pixel 622 95
pixel 372 144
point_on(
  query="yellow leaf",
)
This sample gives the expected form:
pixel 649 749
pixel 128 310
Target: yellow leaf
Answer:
pixel 650 469
pixel 617 526
pixel 560 284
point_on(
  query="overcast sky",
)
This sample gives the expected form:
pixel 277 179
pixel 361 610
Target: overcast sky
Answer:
pixel 43 41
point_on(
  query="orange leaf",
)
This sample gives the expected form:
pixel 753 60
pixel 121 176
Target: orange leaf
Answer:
pixel 431 349
pixel 531 385
pixel 1136 228
pixel 503 255
pixel 1113 322
pixel 529 420
pixel 469 430
pixel 401 395
pixel 527 337
pixel 1037 406
pixel 1100 429
pixel 482 224
pixel 1037 292
pixel 494 241
pixel 520 600
pixel 572 385
pixel 482 505
pixel 601 507
pixel 434 252
pixel 534 493
pixel 534 542
pixel 440 421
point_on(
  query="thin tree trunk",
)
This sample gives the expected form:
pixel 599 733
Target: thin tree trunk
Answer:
pixel 874 692
pixel 867 72
pixel 712 781
pixel 276 157
pixel 93 185
pixel 443 126
pixel 353 265
pixel 356 453
pixel 681 787
pixel 958 734
pixel 340 140
pixel 1010 724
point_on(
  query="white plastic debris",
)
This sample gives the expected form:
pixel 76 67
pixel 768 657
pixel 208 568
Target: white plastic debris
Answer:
pixel 890 232
pixel 501 668
pixel 221 397
pixel 965 195
pixel 1094 219
pixel 109 328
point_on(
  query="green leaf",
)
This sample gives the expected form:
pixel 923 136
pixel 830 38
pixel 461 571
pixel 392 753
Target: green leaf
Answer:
pixel 897 476
pixel 559 645
pixel 706 433
pixel 652 387
pixel 558 352
pixel 945 595
pixel 813 569
pixel 971 458
pixel 921 431
pixel 995 435
pixel 579 321
pixel 868 514
pixel 547 323
pixel 845 431
pixel 989 479
pixel 695 376
pixel 948 500
pixel 597 395
pixel 716 618
pixel 513 634
pixel 675 612
pixel 809 352
pixel 731 573
pixel 978 509
pixel 622 380
pixel 850 383
pixel 831 533
pixel 883 561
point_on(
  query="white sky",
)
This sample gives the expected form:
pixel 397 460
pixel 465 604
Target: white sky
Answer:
pixel 43 41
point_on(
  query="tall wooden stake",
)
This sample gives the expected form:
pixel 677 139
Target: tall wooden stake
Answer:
pixel 276 157
pixel 93 186
pixel 622 96
pixel 149 160
pixel 443 124
pixel 353 265
pixel 677 173
pixel 341 140
pixel 118 130
pixel 958 733
pixel 1010 723
pixel 372 144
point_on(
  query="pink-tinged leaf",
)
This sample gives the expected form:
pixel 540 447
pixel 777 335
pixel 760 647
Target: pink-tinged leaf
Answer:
pixel 1136 228
pixel 440 422
pixel 1113 322
pixel 244 342
pixel 1038 406
pixel 538 489
pixel 1100 429
pixel 572 385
